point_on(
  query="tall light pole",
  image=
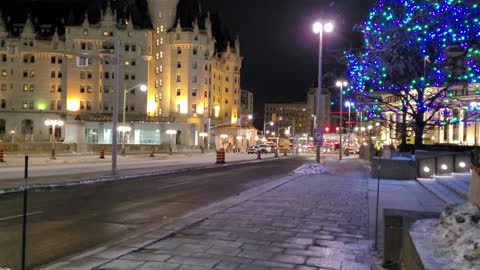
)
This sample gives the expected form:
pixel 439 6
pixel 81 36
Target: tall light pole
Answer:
pixel 319 28
pixel 341 84
pixel 124 129
pixel 349 104
pixel 271 123
pixel 53 123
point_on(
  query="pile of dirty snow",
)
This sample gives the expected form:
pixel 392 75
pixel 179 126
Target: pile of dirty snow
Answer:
pixel 310 168
pixel 456 236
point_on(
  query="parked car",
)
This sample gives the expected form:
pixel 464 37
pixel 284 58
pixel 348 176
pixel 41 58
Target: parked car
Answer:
pixel 253 149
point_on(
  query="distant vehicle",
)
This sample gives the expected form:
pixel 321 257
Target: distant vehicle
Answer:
pixel 253 149
pixel 265 148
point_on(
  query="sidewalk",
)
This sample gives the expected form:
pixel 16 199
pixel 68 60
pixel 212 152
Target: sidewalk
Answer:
pixel 78 169
pixel 302 222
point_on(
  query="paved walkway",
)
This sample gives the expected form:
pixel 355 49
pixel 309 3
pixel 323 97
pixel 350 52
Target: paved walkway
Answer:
pixel 302 222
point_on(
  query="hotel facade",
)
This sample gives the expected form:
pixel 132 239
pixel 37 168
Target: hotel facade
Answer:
pixel 69 75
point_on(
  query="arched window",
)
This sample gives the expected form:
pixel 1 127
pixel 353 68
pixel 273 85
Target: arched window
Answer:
pixel 27 126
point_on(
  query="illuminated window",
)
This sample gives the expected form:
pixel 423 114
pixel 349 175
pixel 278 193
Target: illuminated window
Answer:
pixel 161 28
pixel 161 68
pixel 161 41
pixel 161 82
pixel 161 55
pixel 158 42
pixel 157 70
pixel 25 87
pixel 157 56
pixel 158 30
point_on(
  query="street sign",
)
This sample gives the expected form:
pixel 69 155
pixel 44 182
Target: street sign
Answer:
pixel 318 137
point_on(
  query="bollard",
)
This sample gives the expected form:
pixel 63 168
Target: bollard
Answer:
pixel 276 152
pixel 259 154
pixel 1 156
pixel 102 153
pixel 152 152
pixel 221 156
pixel 284 152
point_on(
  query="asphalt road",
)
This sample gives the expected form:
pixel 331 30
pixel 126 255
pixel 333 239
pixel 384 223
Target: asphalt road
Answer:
pixel 68 220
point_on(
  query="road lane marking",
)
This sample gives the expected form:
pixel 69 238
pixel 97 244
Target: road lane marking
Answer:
pixel 18 216
pixel 173 185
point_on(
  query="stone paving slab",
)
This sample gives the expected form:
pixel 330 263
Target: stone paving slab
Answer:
pixel 311 222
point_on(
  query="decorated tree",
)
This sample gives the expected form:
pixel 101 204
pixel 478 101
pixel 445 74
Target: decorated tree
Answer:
pixel 423 54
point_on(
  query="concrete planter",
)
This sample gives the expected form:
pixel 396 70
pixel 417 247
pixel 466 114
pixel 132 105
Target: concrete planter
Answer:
pixel 474 191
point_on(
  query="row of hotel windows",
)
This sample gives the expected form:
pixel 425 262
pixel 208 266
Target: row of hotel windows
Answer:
pixel 57 105
pixel 88 46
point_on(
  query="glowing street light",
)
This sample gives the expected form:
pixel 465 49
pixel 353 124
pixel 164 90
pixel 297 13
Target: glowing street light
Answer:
pixel 53 124
pixel 319 28
pixel 171 132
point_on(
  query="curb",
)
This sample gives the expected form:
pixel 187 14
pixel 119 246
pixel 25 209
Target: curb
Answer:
pixel 93 180
pixel 165 229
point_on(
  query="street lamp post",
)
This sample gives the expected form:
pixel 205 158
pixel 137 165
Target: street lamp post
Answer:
pixel 12 133
pixel 53 124
pixel 124 129
pixel 349 104
pixel 271 123
pixel 319 28
pixel 341 84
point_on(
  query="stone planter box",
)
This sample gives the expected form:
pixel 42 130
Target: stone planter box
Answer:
pixel 397 240
pixel 394 169
pixel 474 191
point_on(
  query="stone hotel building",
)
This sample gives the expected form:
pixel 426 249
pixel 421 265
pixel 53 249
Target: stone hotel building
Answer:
pixel 63 69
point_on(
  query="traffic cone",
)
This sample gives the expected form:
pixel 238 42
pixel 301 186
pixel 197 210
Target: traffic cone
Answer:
pixel 221 156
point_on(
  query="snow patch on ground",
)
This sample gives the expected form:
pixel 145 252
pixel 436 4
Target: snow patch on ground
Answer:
pixel 455 236
pixel 310 168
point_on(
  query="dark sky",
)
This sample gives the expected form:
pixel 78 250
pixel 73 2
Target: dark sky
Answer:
pixel 279 48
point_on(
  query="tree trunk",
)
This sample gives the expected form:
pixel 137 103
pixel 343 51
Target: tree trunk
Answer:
pixel 403 145
pixel 419 128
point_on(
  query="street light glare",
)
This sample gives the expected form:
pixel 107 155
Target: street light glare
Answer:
pixel 328 27
pixel 143 88
pixel 317 27
pixel 341 83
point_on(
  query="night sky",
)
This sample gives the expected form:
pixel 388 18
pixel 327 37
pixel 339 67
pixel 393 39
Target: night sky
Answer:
pixel 279 48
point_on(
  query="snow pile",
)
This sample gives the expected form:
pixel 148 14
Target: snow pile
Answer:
pixel 310 168
pixel 456 236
